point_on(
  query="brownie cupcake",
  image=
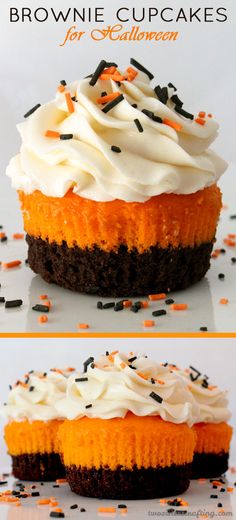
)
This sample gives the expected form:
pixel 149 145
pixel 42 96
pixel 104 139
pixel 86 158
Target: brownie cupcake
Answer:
pixel 33 423
pixel 212 429
pixel 127 431
pixel 117 185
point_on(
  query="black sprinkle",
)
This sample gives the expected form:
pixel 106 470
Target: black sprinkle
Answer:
pixel 160 312
pixel 55 514
pixel 122 506
pixel 35 494
pixel 138 125
pixel 170 510
pixel 4 239
pixel 138 305
pixel 233 260
pixel 134 105
pixel 40 308
pixel 169 301
pixel 97 72
pixel 176 100
pixel 192 377
pixel 221 276
pixel 214 487
pixel 115 149
pixel 109 305
pixel 65 137
pixel 23 495
pixel 81 379
pixel 41 483
pixel 223 251
pixel 140 67
pixel 26 261
pixel 183 112
pixel 13 303
pixel 152 116
pixel 156 397
pixel 222 490
pixel 131 366
pixel 88 406
pixel 213 496
pixel 113 103
pixel 203 329
pixel 82 510
pixel 63 82
pixel 73 98
pixel 99 305
pixel 31 388
pixel 1 227
pixel 172 86
pixel 111 64
pixel 87 363
pixel 2 299
pixel 232 217
pixel 118 306
pixel 55 486
pixel 3 482
pixel 74 506
pixel 104 93
pixel 133 308
pixel 32 110
pixel 153 381
pixel 130 360
pixel 219 504
pixel 161 93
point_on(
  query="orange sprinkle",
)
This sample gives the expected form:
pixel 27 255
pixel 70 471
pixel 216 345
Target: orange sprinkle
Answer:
pixel 115 76
pixel 52 133
pixel 214 254
pixel 110 70
pixel 114 352
pixel 61 481
pixel 173 124
pixel 148 323
pixel 160 296
pixel 123 365
pixel 2 235
pixel 58 510
pixel 209 115
pixel 69 102
pixel 160 382
pixel 179 306
pixel 224 301
pixel 217 483
pixel 43 319
pixel 70 369
pixel 53 504
pixel 106 510
pixel 202 114
pixel 18 236
pixel 61 88
pixel 9 265
pixel 140 374
pixel 109 97
pixel 144 304
pixel 110 358
pixel 201 480
pixel 43 502
pixel 230 489
pixel 48 304
pixel 200 121
pixel 231 235
pixel 229 242
pixel 127 303
pixel 163 501
pixel 43 296
pixel 83 326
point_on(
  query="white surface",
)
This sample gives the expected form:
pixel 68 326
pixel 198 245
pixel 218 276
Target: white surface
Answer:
pixel 198 497
pixel 69 309
pixel 212 356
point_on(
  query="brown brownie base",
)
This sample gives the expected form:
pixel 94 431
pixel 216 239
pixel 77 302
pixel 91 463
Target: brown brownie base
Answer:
pixel 129 484
pixel 118 274
pixel 38 466
pixel 209 465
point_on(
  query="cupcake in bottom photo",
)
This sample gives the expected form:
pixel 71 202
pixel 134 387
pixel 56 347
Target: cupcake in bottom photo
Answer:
pixel 33 423
pixel 213 433
pixel 127 431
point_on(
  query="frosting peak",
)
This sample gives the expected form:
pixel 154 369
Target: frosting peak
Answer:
pixel 166 152
pixel 118 384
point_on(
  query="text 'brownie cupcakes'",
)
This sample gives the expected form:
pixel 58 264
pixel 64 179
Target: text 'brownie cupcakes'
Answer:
pixel 214 434
pixel 127 431
pixel 118 185
pixel 33 422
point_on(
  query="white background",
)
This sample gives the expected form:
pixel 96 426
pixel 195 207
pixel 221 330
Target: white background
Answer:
pixel 213 357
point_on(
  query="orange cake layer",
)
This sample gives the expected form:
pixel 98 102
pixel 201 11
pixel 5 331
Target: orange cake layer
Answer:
pixel 32 437
pixel 144 441
pixel 164 220
pixel 213 438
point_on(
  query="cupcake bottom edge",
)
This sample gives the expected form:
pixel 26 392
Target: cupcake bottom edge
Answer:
pixel 209 465
pixel 38 466
pixel 129 484
pixel 118 273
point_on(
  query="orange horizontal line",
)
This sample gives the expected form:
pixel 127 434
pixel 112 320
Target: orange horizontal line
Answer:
pixel 118 335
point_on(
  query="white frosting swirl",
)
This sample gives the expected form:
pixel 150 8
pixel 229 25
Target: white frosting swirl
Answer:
pixel 212 402
pixel 114 389
pixel 157 160
pixel 36 399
